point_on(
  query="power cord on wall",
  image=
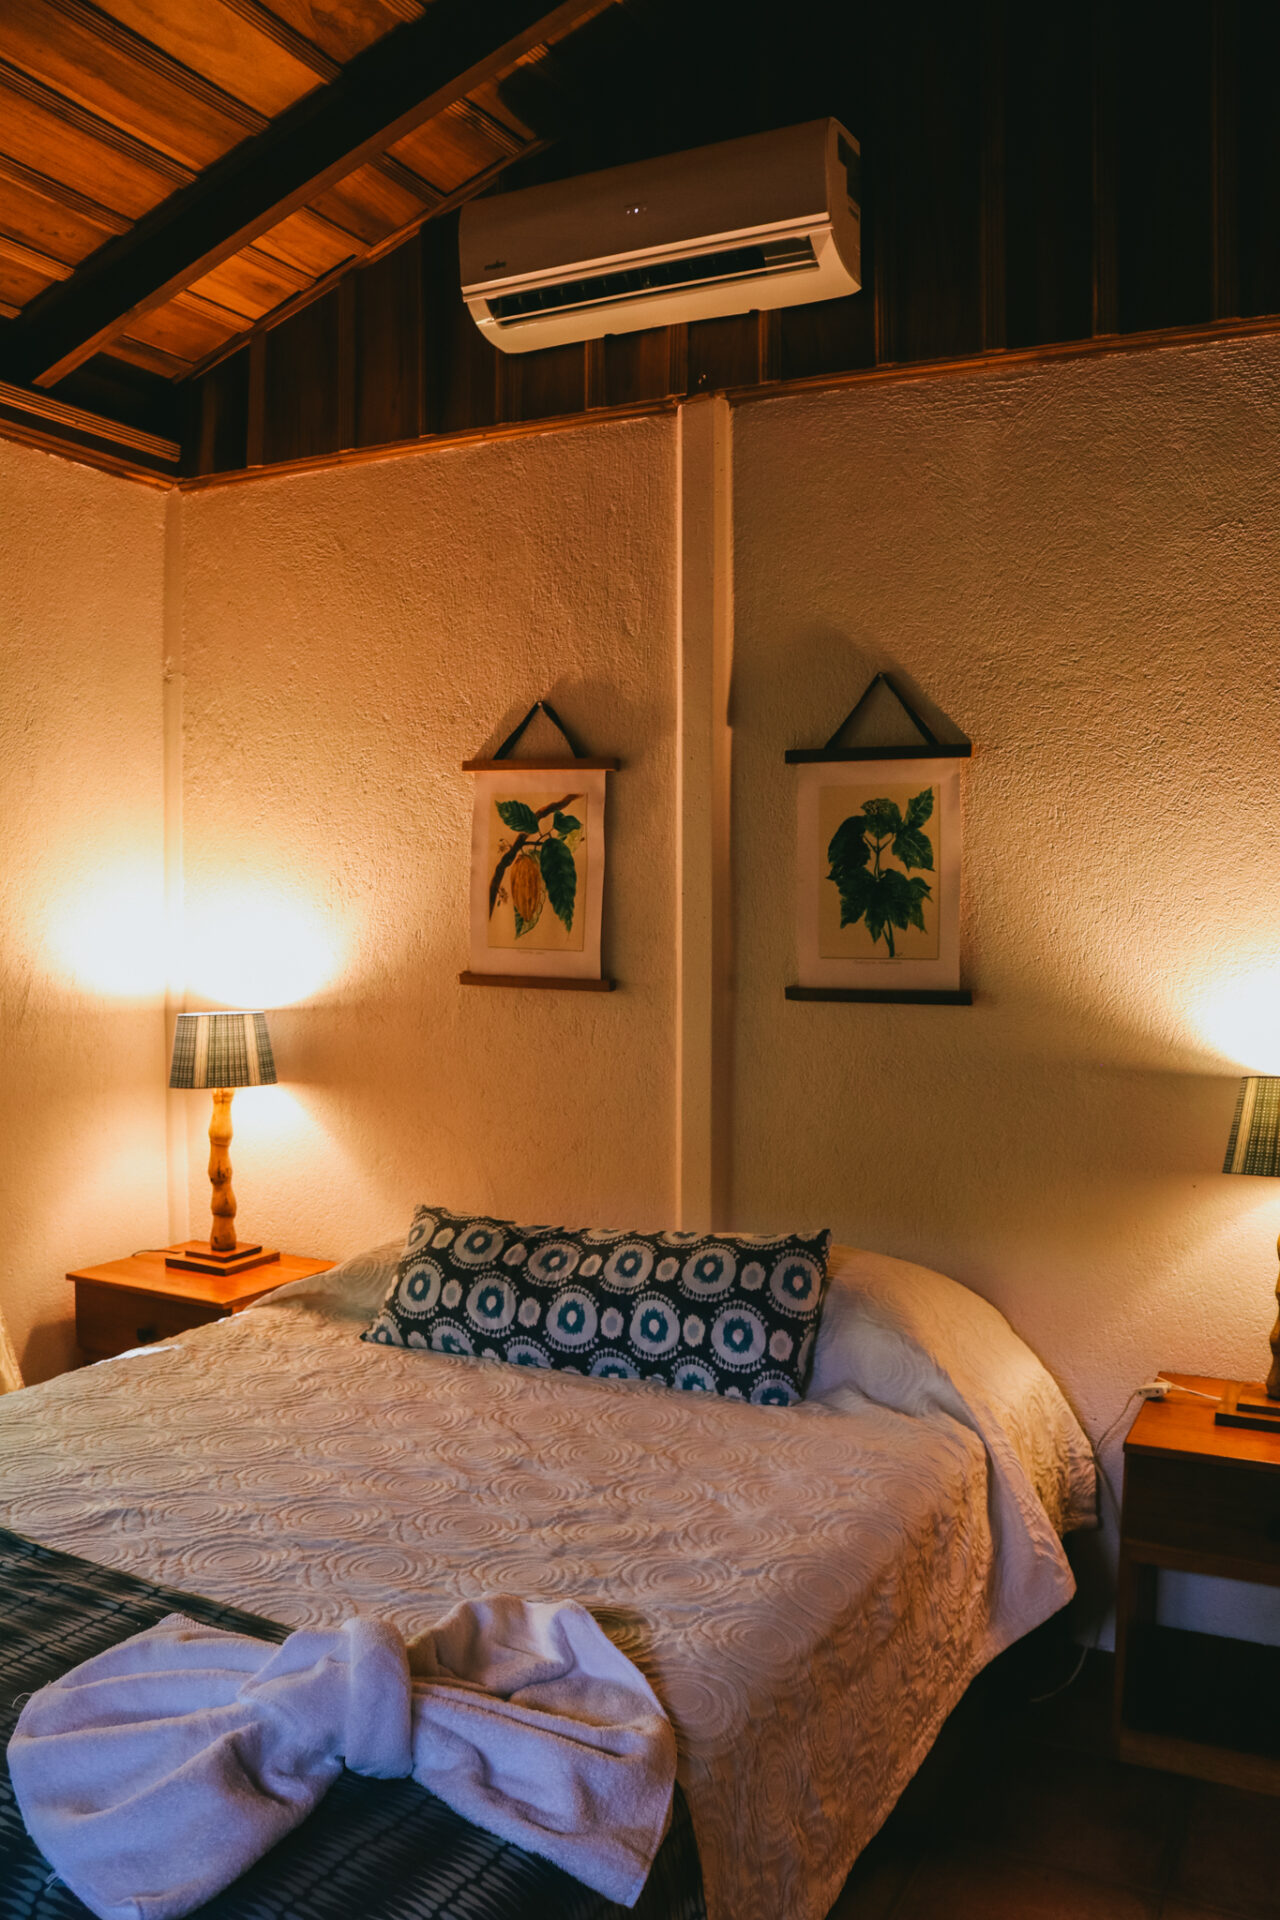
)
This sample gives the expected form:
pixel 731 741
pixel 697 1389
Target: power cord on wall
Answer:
pixel 1157 1389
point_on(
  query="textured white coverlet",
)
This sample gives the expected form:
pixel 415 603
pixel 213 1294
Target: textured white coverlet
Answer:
pixel 808 1589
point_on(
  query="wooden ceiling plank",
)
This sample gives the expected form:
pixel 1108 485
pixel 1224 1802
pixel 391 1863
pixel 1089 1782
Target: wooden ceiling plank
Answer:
pixel 37 140
pixel 284 271
pixel 20 278
pixel 121 78
pixel 58 194
pixel 31 257
pixel 303 49
pixel 399 82
pixel 457 198
pixel 213 311
pixel 250 283
pixel 392 241
pixel 223 46
pixel 307 241
pixel 406 178
pixel 69 114
pixel 344 28
pixel 32 216
pixel 184 331
pixel 373 204
pixel 454 147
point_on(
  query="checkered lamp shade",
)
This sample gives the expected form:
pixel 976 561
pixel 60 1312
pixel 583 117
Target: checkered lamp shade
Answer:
pixel 1254 1146
pixel 222 1050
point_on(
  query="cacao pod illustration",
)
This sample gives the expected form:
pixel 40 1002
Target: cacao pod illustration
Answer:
pixel 526 888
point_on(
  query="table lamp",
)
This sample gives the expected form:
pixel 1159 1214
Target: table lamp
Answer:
pixel 1254 1147
pixel 221 1051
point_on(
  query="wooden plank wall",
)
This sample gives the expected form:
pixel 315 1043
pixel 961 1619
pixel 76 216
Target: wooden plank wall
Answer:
pixel 1031 175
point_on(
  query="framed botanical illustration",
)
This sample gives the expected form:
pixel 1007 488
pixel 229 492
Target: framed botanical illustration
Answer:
pixel 537 869
pixel 878 865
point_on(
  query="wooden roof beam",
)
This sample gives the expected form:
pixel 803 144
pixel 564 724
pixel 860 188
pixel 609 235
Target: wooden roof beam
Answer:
pixel 407 77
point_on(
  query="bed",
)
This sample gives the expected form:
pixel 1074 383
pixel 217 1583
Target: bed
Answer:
pixel 808 1589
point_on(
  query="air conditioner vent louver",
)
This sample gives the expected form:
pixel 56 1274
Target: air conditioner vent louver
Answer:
pixel 768 221
pixel 629 283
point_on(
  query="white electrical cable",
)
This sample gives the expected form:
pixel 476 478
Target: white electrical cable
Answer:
pixel 1157 1389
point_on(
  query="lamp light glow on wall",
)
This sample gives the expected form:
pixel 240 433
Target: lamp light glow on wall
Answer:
pixel 1254 1147
pixel 221 1051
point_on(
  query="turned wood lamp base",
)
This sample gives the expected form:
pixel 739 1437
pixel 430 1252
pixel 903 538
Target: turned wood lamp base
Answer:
pixel 199 1256
pixel 221 1252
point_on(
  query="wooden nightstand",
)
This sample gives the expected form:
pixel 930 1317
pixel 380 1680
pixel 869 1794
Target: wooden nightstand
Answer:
pixel 131 1302
pixel 1198 1498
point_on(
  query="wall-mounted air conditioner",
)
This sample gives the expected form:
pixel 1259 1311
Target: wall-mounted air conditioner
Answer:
pixel 769 221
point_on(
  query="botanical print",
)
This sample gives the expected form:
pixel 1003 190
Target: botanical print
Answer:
pixel 538 871
pixel 880 847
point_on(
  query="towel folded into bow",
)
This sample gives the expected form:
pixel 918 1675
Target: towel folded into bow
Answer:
pixel 154 1774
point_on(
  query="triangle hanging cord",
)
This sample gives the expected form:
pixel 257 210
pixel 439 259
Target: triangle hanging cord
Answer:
pixel 922 727
pixel 539 706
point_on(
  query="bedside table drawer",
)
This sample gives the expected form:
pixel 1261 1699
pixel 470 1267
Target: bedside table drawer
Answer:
pixel 1204 1507
pixel 113 1319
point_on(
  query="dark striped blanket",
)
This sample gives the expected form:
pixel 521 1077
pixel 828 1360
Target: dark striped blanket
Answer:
pixel 373 1850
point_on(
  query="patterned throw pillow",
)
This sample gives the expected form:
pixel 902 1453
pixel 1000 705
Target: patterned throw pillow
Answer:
pixel 709 1313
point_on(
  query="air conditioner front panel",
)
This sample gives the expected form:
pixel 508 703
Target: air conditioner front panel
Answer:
pixel 769 221
pixel 824 277
pixel 618 284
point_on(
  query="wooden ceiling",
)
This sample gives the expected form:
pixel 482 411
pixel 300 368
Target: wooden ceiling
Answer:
pixel 228 227
pixel 174 173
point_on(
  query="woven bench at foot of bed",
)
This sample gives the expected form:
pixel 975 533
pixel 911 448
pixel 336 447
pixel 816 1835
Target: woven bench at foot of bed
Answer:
pixel 379 1849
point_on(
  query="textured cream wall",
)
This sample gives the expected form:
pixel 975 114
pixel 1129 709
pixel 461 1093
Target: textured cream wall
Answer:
pixel 1080 564
pixel 81 885
pixel 349 638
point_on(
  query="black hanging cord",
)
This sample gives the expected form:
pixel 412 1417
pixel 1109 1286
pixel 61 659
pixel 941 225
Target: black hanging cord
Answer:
pixel 539 706
pixel 926 732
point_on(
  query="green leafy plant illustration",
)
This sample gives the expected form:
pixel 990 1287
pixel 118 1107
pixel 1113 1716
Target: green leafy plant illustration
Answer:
pixel 539 862
pixel 868 889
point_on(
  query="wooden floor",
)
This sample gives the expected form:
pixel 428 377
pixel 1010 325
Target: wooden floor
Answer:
pixel 1020 1813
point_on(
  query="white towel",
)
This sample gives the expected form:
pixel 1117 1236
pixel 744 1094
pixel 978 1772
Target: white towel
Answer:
pixel 153 1775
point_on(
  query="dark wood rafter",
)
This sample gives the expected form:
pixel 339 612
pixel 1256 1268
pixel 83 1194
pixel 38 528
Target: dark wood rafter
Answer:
pixel 38 420
pixel 143 353
pixel 44 407
pixel 396 85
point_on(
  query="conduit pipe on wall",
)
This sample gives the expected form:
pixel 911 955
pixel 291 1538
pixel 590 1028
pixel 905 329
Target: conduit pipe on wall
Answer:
pixel 704 660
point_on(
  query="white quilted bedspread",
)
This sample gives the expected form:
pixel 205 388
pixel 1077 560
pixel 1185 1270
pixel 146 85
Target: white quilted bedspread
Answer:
pixel 809 1590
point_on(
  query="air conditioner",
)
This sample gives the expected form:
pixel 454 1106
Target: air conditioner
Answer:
pixel 769 221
